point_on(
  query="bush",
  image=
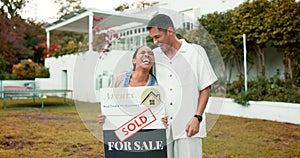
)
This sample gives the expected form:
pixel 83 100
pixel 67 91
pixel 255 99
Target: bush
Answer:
pixel 242 98
pixel 272 89
pixel 27 69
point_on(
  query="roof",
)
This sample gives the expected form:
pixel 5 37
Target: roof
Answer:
pixel 79 21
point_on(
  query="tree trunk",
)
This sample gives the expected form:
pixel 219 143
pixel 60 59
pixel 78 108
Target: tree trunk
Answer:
pixel 285 68
pixel 239 68
pixel 261 56
pixel 263 69
pixel 230 70
pixel 256 64
pixel 289 62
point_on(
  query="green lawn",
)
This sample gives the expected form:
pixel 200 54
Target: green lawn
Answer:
pixel 58 131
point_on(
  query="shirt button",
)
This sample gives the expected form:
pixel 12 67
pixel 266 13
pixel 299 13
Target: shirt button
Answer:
pixel 171 103
pixel 171 89
pixel 171 118
pixel 171 75
pixel 170 62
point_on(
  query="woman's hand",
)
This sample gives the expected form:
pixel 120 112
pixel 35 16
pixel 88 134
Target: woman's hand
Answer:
pixel 164 119
pixel 101 119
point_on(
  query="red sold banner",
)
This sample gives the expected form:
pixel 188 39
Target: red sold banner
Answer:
pixel 134 125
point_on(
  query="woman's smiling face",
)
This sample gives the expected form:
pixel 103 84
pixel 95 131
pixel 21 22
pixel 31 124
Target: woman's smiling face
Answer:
pixel 144 58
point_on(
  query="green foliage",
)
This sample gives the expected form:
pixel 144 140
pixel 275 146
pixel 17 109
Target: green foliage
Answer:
pixel 286 33
pixel 133 5
pixel 251 18
pixel 12 40
pixel 285 25
pixel 216 33
pixel 264 22
pixel 122 7
pixel 263 89
pixel 18 40
pixel 3 74
pixel 27 69
pixel 218 25
pixel 3 64
pixel 36 42
pixel 12 7
pixel 66 43
pixel 67 6
pixel 242 98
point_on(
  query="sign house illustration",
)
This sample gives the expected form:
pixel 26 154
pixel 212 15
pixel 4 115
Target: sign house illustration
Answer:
pixel 151 99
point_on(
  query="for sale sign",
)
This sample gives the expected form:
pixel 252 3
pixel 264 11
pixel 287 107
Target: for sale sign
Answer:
pixel 131 128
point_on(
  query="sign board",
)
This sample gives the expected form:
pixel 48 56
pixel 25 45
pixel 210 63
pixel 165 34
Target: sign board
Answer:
pixel 133 126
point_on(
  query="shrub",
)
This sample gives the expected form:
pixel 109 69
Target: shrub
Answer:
pixel 27 69
pixel 272 89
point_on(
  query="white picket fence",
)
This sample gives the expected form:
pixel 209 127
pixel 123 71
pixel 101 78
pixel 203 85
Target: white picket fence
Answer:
pixel 273 111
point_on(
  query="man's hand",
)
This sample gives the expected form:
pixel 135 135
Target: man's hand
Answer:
pixel 192 127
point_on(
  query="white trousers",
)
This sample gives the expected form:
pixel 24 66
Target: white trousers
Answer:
pixel 184 148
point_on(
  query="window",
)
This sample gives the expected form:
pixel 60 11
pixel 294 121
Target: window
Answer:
pixel 188 25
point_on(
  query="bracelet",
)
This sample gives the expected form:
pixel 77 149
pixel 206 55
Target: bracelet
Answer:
pixel 199 117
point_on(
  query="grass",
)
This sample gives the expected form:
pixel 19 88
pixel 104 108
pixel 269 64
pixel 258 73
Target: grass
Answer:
pixel 68 131
pixel 55 131
pixel 249 138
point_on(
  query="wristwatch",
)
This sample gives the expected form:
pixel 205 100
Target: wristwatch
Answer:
pixel 199 117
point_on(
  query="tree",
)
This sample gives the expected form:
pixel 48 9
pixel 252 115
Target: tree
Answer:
pixel 251 18
pixel 18 38
pixel 66 43
pixel 284 22
pixel 35 41
pixel 67 6
pixel 122 7
pixel 218 26
pixel 3 65
pixel 12 7
pixel 12 40
pixel 139 4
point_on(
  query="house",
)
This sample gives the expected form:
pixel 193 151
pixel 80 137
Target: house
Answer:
pixel 86 72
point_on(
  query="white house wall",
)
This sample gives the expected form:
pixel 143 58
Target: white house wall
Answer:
pixel 273 111
pixel 83 70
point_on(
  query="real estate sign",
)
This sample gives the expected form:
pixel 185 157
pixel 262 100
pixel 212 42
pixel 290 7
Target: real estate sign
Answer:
pixel 133 127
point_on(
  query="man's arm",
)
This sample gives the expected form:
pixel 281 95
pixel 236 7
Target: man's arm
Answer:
pixel 192 127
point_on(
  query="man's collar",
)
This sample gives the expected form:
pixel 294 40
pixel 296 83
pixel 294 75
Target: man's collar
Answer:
pixel 183 47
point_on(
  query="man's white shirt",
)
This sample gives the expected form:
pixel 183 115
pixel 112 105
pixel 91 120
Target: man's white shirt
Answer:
pixel 182 77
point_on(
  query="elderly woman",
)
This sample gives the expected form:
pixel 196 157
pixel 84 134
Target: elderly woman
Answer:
pixel 140 75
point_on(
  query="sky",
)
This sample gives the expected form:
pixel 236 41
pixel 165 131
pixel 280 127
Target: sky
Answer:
pixel 45 10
